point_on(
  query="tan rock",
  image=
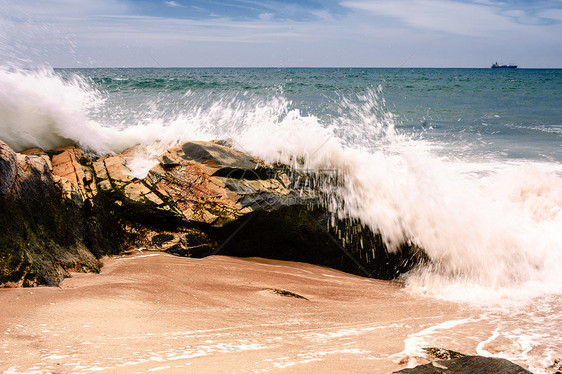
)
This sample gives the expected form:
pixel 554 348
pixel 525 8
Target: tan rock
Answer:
pixel 139 193
pixel 193 192
pixel 40 153
pixel 105 185
pixel 100 170
pixel 33 151
pixel 27 163
pixel 118 171
pixel 65 164
pixel 284 179
pixel 212 155
pixel 69 189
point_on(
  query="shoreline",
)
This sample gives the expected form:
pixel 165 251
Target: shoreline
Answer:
pixel 154 311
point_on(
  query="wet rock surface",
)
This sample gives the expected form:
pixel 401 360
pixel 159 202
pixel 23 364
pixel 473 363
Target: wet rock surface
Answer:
pixel 448 361
pixel 468 365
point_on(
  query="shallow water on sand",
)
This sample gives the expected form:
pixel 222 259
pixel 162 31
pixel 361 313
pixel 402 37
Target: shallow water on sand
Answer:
pixel 156 312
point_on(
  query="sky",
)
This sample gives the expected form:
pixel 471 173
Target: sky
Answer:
pixel 271 33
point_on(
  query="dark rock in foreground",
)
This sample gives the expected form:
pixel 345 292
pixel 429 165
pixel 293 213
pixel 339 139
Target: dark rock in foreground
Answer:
pixel 42 236
pixel 62 210
pixel 462 364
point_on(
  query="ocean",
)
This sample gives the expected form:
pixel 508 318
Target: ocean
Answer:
pixel 463 163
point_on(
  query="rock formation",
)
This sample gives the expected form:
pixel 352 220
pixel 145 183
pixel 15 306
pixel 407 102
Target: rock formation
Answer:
pixel 63 210
pixel 454 362
pixel 42 235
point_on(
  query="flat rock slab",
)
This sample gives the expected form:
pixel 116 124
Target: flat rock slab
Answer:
pixel 468 365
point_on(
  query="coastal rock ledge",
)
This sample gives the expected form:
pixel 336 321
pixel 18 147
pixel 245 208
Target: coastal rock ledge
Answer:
pixel 63 209
pixel 446 361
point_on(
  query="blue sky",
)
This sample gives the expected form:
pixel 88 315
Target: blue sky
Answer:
pixel 333 33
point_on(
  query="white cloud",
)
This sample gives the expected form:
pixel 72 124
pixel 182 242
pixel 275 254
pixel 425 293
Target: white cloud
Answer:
pixel 448 16
pixel 551 14
pixel 58 9
pixel 173 4
pixel 266 16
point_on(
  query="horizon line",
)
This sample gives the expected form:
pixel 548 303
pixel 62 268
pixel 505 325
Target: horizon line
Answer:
pixel 295 67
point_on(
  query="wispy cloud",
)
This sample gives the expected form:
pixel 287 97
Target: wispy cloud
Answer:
pixel 471 19
pixel 468 18
pixel 173 4
pixel 551 14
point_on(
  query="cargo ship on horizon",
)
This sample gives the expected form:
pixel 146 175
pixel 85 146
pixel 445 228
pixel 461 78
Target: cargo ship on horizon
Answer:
pixel 500 66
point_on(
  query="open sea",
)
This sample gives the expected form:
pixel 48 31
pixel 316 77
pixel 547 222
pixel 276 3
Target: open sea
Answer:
pixel 464 163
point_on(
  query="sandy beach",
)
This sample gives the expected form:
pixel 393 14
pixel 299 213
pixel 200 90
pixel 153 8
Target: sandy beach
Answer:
pixel 153 312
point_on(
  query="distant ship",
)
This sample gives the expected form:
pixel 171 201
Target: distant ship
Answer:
pixel 498 66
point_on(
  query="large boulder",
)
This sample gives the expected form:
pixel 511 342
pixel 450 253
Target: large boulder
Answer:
pixel 195 190
pixel 245 207
pixel 201 198
pixel 198 182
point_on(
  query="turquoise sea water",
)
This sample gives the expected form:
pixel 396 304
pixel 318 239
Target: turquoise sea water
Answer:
pixel 510 114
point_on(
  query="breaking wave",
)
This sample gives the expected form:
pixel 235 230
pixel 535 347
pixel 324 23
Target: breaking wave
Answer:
pixel 492 230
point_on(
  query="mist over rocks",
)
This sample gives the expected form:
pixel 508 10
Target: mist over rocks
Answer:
pixel 63 209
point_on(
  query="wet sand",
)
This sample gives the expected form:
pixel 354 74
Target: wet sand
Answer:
pixel 153 312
